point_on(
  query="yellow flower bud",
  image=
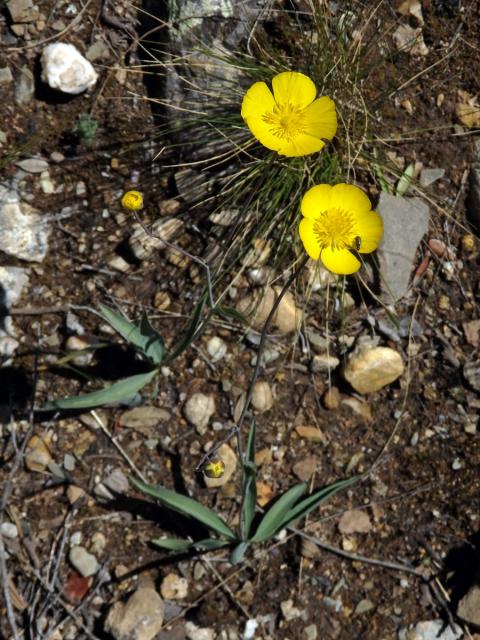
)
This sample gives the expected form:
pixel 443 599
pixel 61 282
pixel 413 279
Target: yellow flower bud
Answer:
pixel 132 200
pixel 214 468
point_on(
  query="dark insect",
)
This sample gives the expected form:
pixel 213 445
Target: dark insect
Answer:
pixel 357 243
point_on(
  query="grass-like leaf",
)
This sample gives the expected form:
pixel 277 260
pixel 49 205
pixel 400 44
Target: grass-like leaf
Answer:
pixel 172 544
pixel 210 544
pixel 405 180
pixel 190 331
pixel 275 517
pixel 144 337
pixel 305 506
pixel 116 392
pixel 238 554
pixel 187 506
pixel 249 484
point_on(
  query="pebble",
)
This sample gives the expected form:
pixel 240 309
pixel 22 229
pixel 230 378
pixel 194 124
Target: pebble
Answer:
pixel 429 176
pixel 216 348
pixel 363 606
pixel 468 608
pixel 193 632
pixel 456 465
pixel 84 562
pixel 14 280
pixel 471 372
pixel 313 434
pixel 310 549
pixel 5 75
pixel 22 10
pixel 198 410
pixel 99 543
pixel 174 587
pixel 227 455
pixel 37 453
pixel 431 630
pixel 310 632
pixel 74 493
pixel 144 419
pixel 331 399
pixel 359 407
pixel 162 301
pixel 354 521
pixel 144 245
pixel 64 68
pixel 68 462
pixel 140 618
pixel 46 184
pixel 9 530
pixel 290 612
pixel 257 306
pixel 369 369
pixel 32 165
pixel 323 362
pixel 304 469
pixel 262 397
pixel 405 222
pixel 117 481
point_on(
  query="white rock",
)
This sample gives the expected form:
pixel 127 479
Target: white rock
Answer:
pixel 262 397
pixel 198 410
pixel 140 618
pixel 174 587
pixel 64 68
pixel 217 349
pixel 431 630
pixel 33 165
pixel 8 346
pixel 9 530
pixel 372 368
pixel 324 362
pixel 193 632
pixel 23 234
pixel 85 563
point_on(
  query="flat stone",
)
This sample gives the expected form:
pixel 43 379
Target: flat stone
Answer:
pixel 198 410
pixel 144 419
pixel 363 606
pixel 354 521
pixel 5 75
pixel 32 165
pixel 369 369
pixel 257 307
pixel 314 434
pixel 323 362
pixel 23 234
pixel 84 562
pixel 12 281
pixel 304 469
pixel 405 222
pixel 429 176
pixel 140 618
pixel 22 10
pixel 24 87
pixel 468 608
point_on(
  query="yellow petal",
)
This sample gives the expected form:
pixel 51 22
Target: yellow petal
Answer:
pixel 321 118
pixel 293 88
pixel 316 200
pixel 339 261
pixel 301 145
pixel 370 230
pixel 307 236
pixel 350 198
pixel 257 101
pixel 262 132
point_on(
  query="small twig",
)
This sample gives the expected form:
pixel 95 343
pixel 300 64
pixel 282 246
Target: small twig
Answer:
pixel 122 451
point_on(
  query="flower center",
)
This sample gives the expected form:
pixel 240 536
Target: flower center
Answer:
pixel 335 229
pixel 286 121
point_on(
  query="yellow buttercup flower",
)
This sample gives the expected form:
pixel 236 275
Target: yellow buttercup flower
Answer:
pixel 290 120
pixel 214 468
pixel 132 200
pixel 338 223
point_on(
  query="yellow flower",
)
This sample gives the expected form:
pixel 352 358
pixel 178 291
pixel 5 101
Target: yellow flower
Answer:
pixel 132 200
pixel 214 468
pixel 338 224
pixel 289 121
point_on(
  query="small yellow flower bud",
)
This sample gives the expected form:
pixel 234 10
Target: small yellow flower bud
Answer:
pixel 132 200
pixel 214 468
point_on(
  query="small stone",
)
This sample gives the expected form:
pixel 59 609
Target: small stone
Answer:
pixel 468 608
pixel 369 368
pixel 117 482
pixel 471 372
pixel 84 562
pixel 257 306
pixel 264 456
pixel 309 549
pixel 198 410
pixel 24 87
pixel 163 230
pixel 359 407
pixel 323 362
pixel 32 165
pixel 144 419
pixel 5 75
pixel 99 543
pixel 290 612
pixel 74 493
pixel 37 454
pixel 264 493
pixel 310 632
pixel 216 348
pixel 22 10
pixel 456 464
pixel 174 587
pixel 169 207
pixel 363 606
pixel 226 455
pixel 140 618
pixel 410 39
pixel 97 51
pixel 193 632
pixel 354 521
pixel 162 301
pixel 429 176
pixel 431 630
pixel 64 68
pixel 304 469
pixel 57 157
pixel 9 530
pixel 331 399
pixel 69 462
pixel 262 397
pixel 313 434
pixel 471 330
pixel 76 343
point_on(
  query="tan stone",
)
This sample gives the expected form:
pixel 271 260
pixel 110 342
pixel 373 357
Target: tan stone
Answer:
pixel 310 433
pixel 227 455
pixel 372 368
pixel 140 618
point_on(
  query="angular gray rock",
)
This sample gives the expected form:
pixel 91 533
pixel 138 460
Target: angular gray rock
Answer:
pixel 405 222
pixel 23 233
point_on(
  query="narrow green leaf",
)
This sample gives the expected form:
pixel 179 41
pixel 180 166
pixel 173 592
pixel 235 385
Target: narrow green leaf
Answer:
pixel 250 484
pixel 238 554
pixel 144 337
pixel 272 521
pixel 187 506
pixel 210 544
pixel 190 330
pixel 405 180
pixel 153 345
pixel 116 392
pixel 313 500
pixel 173 544
pixel 231 312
